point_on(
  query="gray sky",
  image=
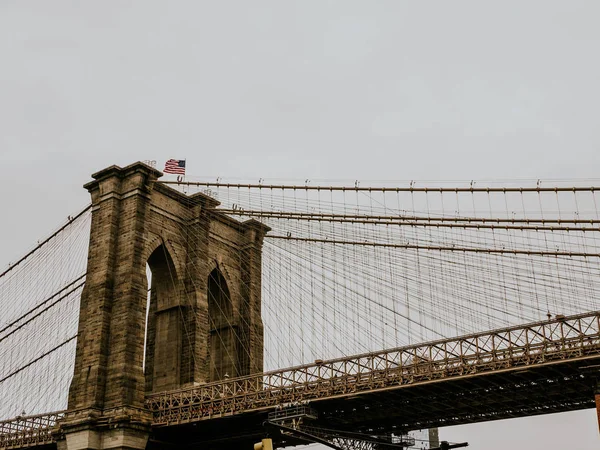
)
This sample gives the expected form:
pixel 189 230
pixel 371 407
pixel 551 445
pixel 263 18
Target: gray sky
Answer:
pixel 371 90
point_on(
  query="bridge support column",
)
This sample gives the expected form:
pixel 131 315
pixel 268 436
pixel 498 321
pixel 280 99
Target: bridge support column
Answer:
pixel 201 322
pixel 251 306
pixel 106 397
pixel 115 429
pixel 117 438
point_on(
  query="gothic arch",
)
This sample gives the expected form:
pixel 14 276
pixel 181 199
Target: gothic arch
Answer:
pixel 164 330
pixel 155 241
pixel 225 270
pixel 223 330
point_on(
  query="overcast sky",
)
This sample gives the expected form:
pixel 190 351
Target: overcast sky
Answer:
pixel 370 90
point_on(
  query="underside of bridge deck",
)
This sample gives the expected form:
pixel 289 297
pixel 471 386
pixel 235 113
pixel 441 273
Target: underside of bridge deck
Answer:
pixel 560 387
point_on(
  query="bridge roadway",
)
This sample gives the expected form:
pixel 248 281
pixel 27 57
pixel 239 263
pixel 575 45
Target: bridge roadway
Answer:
pixel 538 368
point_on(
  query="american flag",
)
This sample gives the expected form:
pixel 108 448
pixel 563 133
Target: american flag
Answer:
pixel 175 166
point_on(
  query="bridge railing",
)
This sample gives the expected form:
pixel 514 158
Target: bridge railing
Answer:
pixel 509 348
pixel 26 431
pixel 520 346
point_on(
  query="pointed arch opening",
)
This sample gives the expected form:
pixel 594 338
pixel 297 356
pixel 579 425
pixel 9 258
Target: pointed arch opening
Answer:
pixel 163 349
pixel 223 340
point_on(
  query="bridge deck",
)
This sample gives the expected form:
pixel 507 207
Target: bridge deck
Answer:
pixel 525 370
pixel 556 343
pixel 29 431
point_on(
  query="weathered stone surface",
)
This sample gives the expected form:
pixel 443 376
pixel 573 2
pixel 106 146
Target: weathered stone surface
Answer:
pixel 204 314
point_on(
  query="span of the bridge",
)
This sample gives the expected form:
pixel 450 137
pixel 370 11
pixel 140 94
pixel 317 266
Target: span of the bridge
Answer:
pixel 538 368
pixel 177 360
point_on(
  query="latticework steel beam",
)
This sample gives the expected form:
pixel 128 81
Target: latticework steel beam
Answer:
pixel 514 348
pixel 28 431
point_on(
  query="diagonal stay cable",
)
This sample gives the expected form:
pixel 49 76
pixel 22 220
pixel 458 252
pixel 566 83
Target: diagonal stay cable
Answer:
pixel 45 241
pixel 20 369
pixel 14 322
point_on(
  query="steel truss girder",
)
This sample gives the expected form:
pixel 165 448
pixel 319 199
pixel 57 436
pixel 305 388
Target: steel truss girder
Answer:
pixel 338 440
pixel 540 344
pixel 28 431
pixel 532 345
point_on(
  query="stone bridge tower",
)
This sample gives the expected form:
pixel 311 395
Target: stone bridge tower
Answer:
pixel 203 312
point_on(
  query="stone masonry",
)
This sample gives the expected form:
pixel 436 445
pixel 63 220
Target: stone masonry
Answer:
pixel 204 314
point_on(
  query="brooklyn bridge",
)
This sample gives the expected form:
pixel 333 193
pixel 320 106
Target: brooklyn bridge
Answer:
pixel 178 314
